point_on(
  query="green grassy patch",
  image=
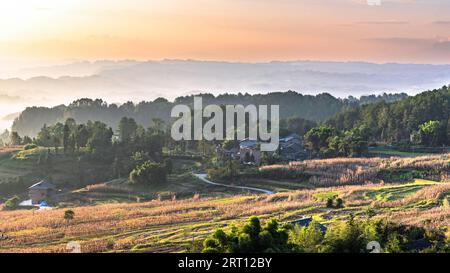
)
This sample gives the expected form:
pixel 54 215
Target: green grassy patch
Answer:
pixel 391 152
pixel 322 196
pixel 392 193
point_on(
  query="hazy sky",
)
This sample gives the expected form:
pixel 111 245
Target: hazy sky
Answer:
pixel 237 30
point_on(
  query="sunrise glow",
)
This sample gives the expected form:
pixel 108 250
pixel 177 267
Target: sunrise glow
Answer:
pixel 403 31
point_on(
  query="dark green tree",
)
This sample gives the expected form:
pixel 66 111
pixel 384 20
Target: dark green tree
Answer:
pixel 127 129
pixel 149 173
pixel 430 132
pixel 82 136
pixel 100 140
pixel 15 139
pixel 250 238
pixel 69 215
pixel 316 139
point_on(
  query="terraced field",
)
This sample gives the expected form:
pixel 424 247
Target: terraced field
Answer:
pixel 398 192
pixel 119 217
pixel 274 185
pixel 173 225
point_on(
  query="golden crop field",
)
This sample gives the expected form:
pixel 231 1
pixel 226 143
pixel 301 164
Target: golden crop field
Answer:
pixel 170 226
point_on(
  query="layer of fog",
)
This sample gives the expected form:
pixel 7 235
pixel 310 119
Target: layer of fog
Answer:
pixel 121 81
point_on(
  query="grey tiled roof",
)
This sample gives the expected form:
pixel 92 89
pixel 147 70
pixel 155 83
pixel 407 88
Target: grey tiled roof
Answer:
pixel 43 185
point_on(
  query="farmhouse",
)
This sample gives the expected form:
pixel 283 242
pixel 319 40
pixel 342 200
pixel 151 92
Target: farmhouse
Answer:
pixel 305 221
pixel 291 148
pixel 41 191
pixel 249 151
pixel 224 153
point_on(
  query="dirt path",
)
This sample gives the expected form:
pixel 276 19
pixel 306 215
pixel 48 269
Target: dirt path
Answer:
pixel 202 177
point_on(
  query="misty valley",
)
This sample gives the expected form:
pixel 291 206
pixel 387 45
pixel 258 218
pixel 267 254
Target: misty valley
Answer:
pixel 225 135
pixel 376 170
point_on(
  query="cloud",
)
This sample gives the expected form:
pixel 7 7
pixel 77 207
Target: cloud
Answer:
pixel 409 41
pixel 382 22
pixel 380 2
pixel 401 40
pixel 441 23
pixel 436 50
pixel 442 46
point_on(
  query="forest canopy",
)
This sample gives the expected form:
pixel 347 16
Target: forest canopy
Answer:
pixel 424 118
pixel 292 105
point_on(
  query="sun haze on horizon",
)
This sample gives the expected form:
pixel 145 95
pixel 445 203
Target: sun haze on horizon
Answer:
pixel 411 31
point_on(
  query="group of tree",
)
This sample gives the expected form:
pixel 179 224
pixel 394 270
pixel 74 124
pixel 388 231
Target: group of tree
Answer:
pixel 149 172
pixel 133 152
pixel 330 203
pixel 13 138
pixel 138 152
pixel 325 141
pixel 296 125
pixel 95 136
pixel 250 238
pixel 432 133
pixel 228 170
pixel 350 236
pixel 420 120
pixel 424 118
pixel 292 104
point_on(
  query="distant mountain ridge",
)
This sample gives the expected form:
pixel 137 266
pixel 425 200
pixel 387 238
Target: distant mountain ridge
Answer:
pixel 147 80
pixel 130 80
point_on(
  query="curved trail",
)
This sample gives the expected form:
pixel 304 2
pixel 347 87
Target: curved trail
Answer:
pixel 202 176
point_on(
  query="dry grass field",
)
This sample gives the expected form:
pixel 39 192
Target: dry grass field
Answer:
pixel 170 226
pixel 112 217
pixel 350 171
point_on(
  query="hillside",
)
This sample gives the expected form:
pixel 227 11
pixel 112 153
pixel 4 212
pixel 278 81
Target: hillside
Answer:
pixel 119 220
pixel 90 181
pixel 20 168
pixel 396 121
pixel 172 226
pixel 292 104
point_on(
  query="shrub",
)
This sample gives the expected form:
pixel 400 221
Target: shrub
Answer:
pixel 219 174
pixel 250 238
pixel 30 146
pixel 69 215
pixel 393 244
pixel 400 174
pixel 307 239
pixel 446 202
pixel 330 203
pixel 370 212
pixel 229 172
pixel 350 236
pixel 339 203
pixel 149 173
pixel 12 203
pixel 110 243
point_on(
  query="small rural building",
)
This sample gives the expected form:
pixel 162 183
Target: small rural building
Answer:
pixel 250 149
pixel 291 148
pixel 227 153
pixel 41 191
pixel 305 221
pixel 418 245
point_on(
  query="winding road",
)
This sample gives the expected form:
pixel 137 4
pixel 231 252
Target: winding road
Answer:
pixel 202 177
